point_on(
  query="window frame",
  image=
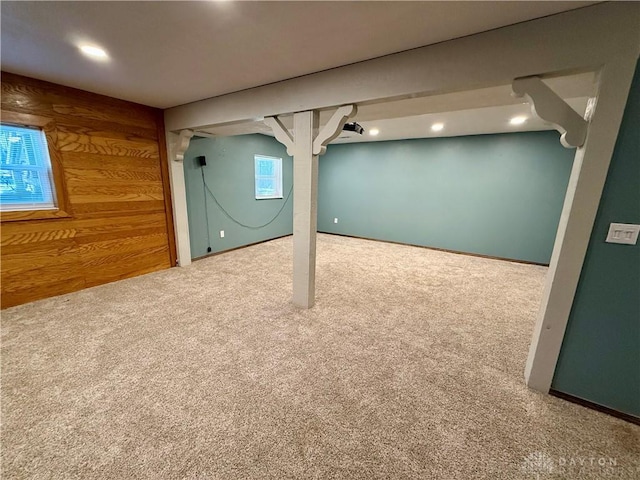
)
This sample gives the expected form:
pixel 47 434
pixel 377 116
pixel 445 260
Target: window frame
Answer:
pixel 278 177
pixel 48 127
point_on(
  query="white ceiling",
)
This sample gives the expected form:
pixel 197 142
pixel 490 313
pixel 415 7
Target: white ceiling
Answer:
pixel 165 54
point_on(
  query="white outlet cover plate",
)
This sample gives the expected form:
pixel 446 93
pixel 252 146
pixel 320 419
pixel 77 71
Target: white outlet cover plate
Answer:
pixel 626 233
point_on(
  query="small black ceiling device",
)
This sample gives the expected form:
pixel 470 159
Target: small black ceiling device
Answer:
pixel 353 127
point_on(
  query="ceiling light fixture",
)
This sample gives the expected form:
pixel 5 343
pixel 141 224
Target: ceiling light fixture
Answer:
pixel 94 52
pixel 373 132
pixel 436 127
pixel 518 120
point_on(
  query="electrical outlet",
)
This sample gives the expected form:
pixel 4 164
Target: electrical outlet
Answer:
pixel 335 220
pixel 221 233
pixel 626 233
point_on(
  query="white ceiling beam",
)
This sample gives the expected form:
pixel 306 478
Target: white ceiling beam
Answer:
pixel 574 41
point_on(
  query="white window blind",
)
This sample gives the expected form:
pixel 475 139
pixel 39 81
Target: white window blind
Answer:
pixel 268 177
pixel 25 170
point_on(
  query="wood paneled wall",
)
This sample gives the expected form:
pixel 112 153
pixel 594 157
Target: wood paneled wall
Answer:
pixel 119 224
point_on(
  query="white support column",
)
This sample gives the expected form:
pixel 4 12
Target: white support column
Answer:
pixel 587 180
pixel 305 208
pixel 305 145
pixel 176 145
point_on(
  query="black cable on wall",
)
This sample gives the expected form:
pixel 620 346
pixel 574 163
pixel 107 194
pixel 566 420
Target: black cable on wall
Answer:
pixel 226 213
pixel 206 209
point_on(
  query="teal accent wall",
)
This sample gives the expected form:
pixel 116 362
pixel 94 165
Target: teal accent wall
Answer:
pixel 230 175
pixel 498 195
pixel 600 356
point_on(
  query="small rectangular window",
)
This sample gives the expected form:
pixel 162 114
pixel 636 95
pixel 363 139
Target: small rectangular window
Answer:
pixel 26 181
pixel 268 172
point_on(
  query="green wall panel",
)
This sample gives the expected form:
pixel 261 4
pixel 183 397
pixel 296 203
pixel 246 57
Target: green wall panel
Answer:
pixel 230 175
pixel 600 356
pixel 498 195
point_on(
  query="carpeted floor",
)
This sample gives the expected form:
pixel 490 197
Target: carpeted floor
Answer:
pixel 409 366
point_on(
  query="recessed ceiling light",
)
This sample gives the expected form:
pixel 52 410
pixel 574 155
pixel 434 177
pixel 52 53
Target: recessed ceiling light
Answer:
pixel 373 132
pixel 94 52
pixel 518 120
pixel 436 127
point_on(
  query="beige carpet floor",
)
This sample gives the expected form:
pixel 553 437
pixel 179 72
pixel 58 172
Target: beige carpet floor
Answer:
pixel 409 366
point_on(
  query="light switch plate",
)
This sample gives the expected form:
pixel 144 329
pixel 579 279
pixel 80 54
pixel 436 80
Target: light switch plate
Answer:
pixel 626 233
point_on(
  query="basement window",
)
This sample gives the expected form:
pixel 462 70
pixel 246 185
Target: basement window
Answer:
pixel 268 175
pixel 26 178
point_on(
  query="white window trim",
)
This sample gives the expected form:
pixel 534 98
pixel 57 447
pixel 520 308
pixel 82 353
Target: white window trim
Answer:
pixel 44 170
pixel 277 175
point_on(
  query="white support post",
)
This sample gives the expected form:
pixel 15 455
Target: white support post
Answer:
pixel 177 144
pixel 305 145
pixel 305 208
pixel 587 180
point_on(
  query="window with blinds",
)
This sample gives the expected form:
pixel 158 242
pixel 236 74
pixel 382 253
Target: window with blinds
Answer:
pixel 268 173
pixel 26 181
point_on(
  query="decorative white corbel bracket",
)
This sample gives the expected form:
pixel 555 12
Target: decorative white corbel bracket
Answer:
pixel 329 132
pixel 281 133
pixel 333 128
pixel 180 144
pixel 547 105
